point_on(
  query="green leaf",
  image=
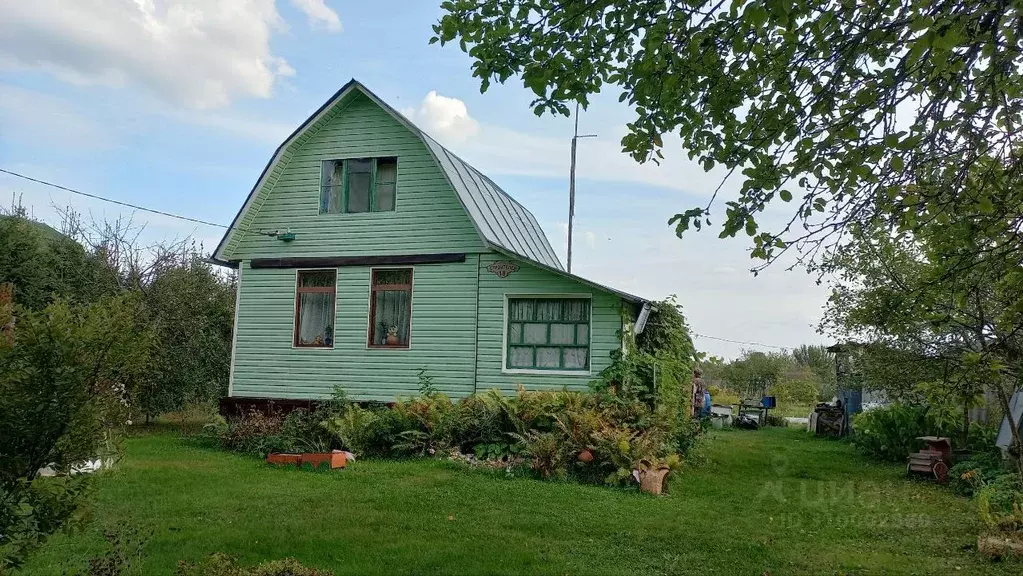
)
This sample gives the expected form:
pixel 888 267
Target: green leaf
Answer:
pixel 786 196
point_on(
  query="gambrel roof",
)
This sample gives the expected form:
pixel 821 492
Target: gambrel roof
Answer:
pixel 502 223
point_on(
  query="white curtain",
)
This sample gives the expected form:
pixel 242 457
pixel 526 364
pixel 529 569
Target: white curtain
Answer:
pixel 330 186
pixel 316 320
pixel 392 309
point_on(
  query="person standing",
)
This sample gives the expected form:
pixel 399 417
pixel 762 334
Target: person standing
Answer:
pixel 700 395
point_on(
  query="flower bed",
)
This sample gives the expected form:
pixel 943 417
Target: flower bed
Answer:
pixel 592 437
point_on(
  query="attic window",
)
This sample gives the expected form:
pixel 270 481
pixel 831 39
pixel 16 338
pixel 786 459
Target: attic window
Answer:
pixel 358 185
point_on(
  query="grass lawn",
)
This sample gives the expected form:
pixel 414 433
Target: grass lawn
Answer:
pixel 774 500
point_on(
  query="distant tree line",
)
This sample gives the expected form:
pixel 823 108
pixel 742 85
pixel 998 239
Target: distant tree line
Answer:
pixel 804 375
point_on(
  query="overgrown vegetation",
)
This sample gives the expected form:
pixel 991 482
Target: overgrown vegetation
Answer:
pixel 185 304
pixel 95 332
pixel 545 431
pixel 64 379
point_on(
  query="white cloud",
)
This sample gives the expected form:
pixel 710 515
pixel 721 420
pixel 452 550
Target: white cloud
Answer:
pixel 320 15
pixel 590 238
pixel 199 53
pixel 447 119
pixel 497 149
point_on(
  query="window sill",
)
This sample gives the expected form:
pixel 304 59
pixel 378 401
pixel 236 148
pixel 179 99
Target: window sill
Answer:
pixel 357 214
pixel 546 372
pixel 386 347
pixel 311 347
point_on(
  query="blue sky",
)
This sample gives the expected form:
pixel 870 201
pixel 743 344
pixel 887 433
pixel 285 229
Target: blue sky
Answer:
pixel 178 104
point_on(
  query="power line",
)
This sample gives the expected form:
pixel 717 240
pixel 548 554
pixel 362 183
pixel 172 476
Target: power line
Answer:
pixel 112 201
pixel 738 341
pixel 198 221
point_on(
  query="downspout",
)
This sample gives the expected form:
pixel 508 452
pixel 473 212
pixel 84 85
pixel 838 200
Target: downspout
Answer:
pixel 644 314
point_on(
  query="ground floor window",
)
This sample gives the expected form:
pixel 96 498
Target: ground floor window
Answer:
pixel 390 308
pixel 548 333
pixel 314 308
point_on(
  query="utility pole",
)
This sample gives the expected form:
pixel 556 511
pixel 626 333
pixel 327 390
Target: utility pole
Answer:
pixel 571 184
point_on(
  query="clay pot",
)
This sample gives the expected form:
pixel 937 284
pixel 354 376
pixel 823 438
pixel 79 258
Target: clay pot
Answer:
pixel 585 456
pixel 392 340
pixel 651 479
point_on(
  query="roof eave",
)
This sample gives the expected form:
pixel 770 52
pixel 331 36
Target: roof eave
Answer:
pixel 630 298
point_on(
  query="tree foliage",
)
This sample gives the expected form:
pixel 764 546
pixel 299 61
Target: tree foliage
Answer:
pixel 44 264
pixel 940 303
pixel 854 112
pixel 186 301
pixel 754 374
pixel 62 393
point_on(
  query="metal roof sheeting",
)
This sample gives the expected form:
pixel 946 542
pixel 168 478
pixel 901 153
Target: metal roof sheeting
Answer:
pixel 500 218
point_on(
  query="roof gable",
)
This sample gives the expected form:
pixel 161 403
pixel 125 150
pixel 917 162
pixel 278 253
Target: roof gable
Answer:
pixel 500 221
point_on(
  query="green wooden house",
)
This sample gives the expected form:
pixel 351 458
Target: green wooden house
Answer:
pixel 367 252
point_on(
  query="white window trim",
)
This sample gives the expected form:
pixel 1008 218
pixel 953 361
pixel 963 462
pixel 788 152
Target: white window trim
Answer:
pixel 294 310
pixel 411 309
pixel 588 372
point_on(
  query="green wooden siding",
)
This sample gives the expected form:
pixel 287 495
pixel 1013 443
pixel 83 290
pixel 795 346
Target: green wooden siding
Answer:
pixel 442 341
pixel 457 309
pixel 428 217
pixel 531 280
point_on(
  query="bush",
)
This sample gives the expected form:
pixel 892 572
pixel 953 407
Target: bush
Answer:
pixel 63 377
pixel 777 421
pixel 256 433
pixel 550 428
pixel 1001 503
pixel 224 565
pixel 719 395
pixel 890 433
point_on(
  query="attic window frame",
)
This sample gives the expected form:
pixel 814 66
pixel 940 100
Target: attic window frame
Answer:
pixel 344 200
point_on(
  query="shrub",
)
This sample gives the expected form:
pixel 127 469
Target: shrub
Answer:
pixel 63 376
pixel 223 565
pixel 970 476
pixel 1001 503
pixel 776 420
pixel 890 433
pixel 257 433
pixel 720 395
pixel 304 431
pixel 550 428
pixel 548 454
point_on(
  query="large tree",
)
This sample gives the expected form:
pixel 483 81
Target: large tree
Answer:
pixel 838 106
pixel 942 302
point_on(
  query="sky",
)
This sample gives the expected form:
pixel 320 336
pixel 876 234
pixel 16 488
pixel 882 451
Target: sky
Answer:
pixel 177 105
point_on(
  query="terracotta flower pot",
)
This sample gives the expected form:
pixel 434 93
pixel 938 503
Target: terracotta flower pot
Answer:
pixel 585 456
pixel 392 340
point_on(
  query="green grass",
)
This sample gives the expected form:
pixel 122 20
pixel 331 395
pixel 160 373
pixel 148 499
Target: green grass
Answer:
pixel 775 500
